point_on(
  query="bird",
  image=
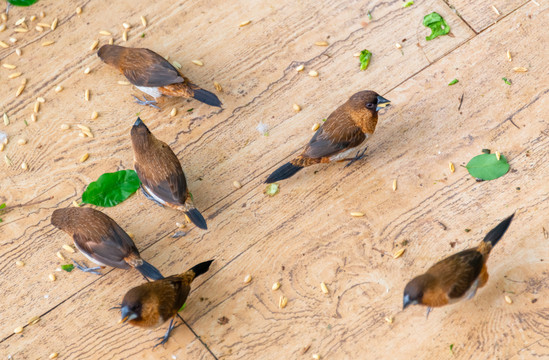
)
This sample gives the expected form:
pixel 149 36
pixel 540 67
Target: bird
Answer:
pixel 153 75
pixel 340 135
pixel 101 240
pixel 151 304
pixel 456 277
pixel 161 175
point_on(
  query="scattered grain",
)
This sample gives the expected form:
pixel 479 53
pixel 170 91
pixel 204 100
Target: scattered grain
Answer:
pixel 60 256
pixel 122 82
pixel 21 30
pixel 452 167
pixel 126 26
pixel 247 278
pixel 9 66
pixel 20 21
pixel 65 126
pixel 4 45
pixel 75 204
pixel 7 160
pixel 282 302
pixel 498 155
pixel 520 69
pixel 394 184
pixel 131 235
pixel 316 356
pixel 313 73
pixel 19 263
pixel 111 41
pixel 82 135
pixel 173 112
pixel 87 133
pixel 94 115
pixel 14 75
pixel 36 107
pixel 24 166
pixel 198 62
pixel 84 157
pixel 357 214
pixel 33 320
pixel 78 10
pixel 33 117
pixel 87 95
pixel 2 146
pixel 176 65
pixel 2 27
pixel 389 319
pixel 20 90
pixel 4 16
pixel 22 141
pixel 275 286
pixel 187 219
pixel 58 89
pixel 218 86
pixel 48 43
pixel 54 24
pixel 397 45
pixel 6 119
pixel 237 184
pixel 51 277
pixel 244 23
pixel 496 10
pixel 399 253
pixel 13 40
pixel 39 28
pixel 68 248
pixel 33 17
pixel 508 300
pixel 296 107
pixel 18 330
pixel 105 33
pixel 125 35
pixel 94 45
pixel 321 43
pixel 143 21
pixel 44 25
pixel 300 68
pixel 509 56
pixel 324 288
pixel 315 126
pixel 180 225
pixel 87 70
pixel 42 14
pixel 53 355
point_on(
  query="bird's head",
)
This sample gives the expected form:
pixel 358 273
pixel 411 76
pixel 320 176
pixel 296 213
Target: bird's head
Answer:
pixel 370 100
pixel 109 53
pixel 141 135
pixel 132 305
pixel 415 290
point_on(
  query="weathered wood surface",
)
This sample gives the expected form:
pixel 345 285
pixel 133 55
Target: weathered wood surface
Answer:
pixel 304 235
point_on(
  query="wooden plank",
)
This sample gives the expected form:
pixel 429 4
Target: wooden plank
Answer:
pixel 256 83
pixel 480 14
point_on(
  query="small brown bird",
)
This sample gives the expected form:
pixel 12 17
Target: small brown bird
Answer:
pixel 340 135
pixel 456 277
pixel 151 304
pixel 101 240
pixel 161 175
pixel 153 75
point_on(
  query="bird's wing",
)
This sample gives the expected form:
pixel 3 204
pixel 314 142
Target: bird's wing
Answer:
pixel 337 134
pixel 144 67
pixel 181 287
pixel 458 272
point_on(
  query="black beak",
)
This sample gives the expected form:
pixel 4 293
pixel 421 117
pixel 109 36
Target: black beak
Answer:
pixel 382 102
pixel 406 301
pixel 138 122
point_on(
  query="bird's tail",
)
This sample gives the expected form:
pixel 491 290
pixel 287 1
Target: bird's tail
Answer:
pixel 149 271
pixel 497 233
pixel 195 216
pixel 206 97
pixel 201 268
pixel 285 171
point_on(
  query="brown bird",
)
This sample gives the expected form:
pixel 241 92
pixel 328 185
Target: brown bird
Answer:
pixel 456 277
pixel 101 240
pixel 340 135
pixel 161 175
pixel 151 304
pixel 153 75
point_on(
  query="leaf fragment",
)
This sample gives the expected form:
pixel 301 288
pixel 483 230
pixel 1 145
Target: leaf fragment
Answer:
pixel 437 24
pixel 407 4
pixel 67 267
pixel 364 58
pixel 272 189
pixel 455 81
pixel 507 81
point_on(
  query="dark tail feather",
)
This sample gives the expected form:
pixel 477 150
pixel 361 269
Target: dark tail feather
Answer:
pixel 497 233
pixel 197 218
pixel 149 271
pixel 201 268
pixel 285 171
pixel 206 97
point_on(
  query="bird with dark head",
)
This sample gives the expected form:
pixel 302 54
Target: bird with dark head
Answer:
pixel 455 278
pixel 339 136
pixel 151 304
pixel 153 75
pixel 161 174
pixel 101 240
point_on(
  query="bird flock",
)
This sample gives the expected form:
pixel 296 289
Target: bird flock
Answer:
pixel 341 138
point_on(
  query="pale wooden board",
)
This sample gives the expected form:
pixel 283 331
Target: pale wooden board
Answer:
pixel 248 99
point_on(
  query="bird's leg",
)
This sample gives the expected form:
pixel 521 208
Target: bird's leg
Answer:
pixel 151 103
pixel 167 334
pixel 149 196
pixel 359 156
pixel 428 311
pixel 84 268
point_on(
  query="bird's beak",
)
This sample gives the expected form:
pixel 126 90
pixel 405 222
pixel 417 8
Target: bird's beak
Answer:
pixel 407 302
pixel 382 102
pixel 138 122
pixel 127 315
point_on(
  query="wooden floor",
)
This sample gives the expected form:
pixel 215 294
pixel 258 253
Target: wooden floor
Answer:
pixel 304 235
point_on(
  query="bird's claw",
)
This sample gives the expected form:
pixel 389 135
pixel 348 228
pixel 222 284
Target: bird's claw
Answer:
pixel 359 156
pixel 145 102
pixel 167 334
pixel 428 311
pixel 84 268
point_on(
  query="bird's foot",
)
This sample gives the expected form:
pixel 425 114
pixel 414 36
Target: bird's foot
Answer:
pixel 145 102
pixel 84 268
pixel 428 311
pixel 359 156
pixel 167 334
pixel 150 197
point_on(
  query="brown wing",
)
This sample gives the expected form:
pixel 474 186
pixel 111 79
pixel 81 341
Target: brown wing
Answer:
pixel 160 171
pixel 97 235
pixel 458 272
pixel 337 134
pixel 144 67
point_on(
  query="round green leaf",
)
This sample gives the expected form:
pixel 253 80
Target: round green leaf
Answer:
pixel 22 2
pixel 487 166
pixel 111 188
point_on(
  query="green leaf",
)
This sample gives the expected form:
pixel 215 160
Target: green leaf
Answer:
pixel 22 2
pixel 272 189
pixel 507 81
pixel 143 35
pixel 182 307
pixel 452 348
pixel 455 81
pixel 369 15
pixel 407 4
pixel 365 57
pixel 191 109
pixel 2 206
pixel 487 166
pixel 437 25
pixel 111 188
pixel 67 267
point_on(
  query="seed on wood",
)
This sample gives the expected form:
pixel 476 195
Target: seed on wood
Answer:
pixel 508 300
pixel 54 24
pixel 321 43
pixel 247 278
pixel 126 26
pixel 79 10
pixel 218 86
pixel 18 330
pixel 19 263
pixel 324 288
pixel 399 253
pixel 60 256
pixel 21 30
pixel 39 28
pixel 20 90
pixel 87 95
pixel 7 160
pixel 498 155
pixel 51 277
pixel 40 99
pixel 94 115
pixel 75 204
pixel 105 33
pixel 173 112
pixel 36 107
pixel 357 214
pixel 198 62
pixel 82 135
pixel 4 16
pixel 59 88
pixel 2 146
pixel 122 82
pixel 6 119
pixel 125 35
pixel 94 45
pixel 451 166
pixel 389 319
pixel 509 56
pixel 68 248
pixel 313 73
pixel 54 355
pixel 43 25
pixel 20 21
pixel 315 126
pixel 65 127
pixel 496 10
pixel 84 157
pixel 13 40
pixel 180 225
pixel 33 117
pixel 394 184
pixel 21 141
pixel 275 286
pixel 14 75
pixel 4 45
pixel 187 219
pixel 176 64
pixel 87 70
pixel 33 320
pixel 316 356
pixel 24 166
pixel 33 17
pixel 244 23
pixel 130 235
pixel 297 108
pixel 48 43
pixel 42 14
pixel 111 41
pixel 24 82
pixel 2 27
pixel 143 21
pixel 87 133
pixel 237 184
pixel 300 68
pixel 282 302
pixel 520 69
pixel 9 66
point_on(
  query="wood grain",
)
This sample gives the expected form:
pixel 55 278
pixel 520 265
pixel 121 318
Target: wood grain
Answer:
pixel 480 14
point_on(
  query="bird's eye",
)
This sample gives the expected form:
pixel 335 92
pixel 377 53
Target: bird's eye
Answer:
pixel 370 106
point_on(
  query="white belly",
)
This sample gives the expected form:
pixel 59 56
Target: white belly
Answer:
pixel 89 257
pixel 151 91
pixel 153 195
